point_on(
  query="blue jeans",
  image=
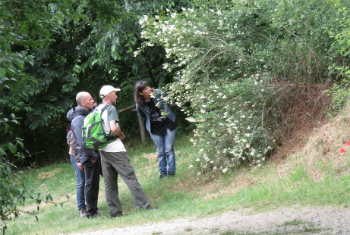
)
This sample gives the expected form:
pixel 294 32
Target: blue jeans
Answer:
pixel 80 184
pixel 166 153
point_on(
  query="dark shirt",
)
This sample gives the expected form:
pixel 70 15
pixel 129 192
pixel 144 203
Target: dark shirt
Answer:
pixel 159 124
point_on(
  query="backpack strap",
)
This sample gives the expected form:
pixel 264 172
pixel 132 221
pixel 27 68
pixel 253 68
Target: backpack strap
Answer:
pixel 110 135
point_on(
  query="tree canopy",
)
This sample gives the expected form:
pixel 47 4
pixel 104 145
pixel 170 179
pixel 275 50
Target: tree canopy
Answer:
pixel 50 50
pixel 235 67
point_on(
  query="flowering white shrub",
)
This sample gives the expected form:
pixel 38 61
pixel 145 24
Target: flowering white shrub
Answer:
pixel 231 125
pixel 226 58
pixel 228 115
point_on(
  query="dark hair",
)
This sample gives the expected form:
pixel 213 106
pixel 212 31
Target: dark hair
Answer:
pixel 139 87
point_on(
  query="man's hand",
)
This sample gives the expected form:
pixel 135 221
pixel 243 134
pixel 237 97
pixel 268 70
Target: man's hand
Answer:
pixel 81 167
pixel 93 161
pixel 122 136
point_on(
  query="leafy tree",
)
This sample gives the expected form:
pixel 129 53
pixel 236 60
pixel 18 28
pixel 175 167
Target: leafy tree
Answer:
pixel 28 29
pixel 25 26
pixel 52 50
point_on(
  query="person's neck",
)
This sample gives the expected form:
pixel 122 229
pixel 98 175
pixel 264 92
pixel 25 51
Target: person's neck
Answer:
pixel 84 108
pixel 147 99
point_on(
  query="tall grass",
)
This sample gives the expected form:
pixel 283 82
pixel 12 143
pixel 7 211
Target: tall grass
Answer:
pixel 186 195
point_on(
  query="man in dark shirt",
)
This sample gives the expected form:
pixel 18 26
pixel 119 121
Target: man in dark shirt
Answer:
pixel 89 158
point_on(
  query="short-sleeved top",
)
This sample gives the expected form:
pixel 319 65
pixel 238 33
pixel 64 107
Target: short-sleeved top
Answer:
pixel 111 114
pixel 159 125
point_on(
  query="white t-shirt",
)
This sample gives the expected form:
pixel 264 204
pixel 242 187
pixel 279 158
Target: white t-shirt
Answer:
pixel 107 116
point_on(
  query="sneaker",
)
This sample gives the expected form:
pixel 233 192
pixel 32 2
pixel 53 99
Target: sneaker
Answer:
pixel 83 213
pixel 151 208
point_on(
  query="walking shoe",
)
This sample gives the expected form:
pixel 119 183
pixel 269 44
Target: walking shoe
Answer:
pixel 161 177
pixel 151 208
pixel 117 215
pixel 83 213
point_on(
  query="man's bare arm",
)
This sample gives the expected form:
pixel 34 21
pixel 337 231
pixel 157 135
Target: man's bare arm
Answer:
pixel 116 129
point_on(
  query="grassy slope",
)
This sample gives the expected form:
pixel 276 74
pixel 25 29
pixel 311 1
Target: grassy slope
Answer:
pixel 306 171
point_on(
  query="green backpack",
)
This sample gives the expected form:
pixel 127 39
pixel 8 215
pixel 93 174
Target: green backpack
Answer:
pixel 93 130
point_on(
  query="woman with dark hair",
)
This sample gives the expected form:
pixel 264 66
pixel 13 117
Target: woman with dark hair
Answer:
pixel 79 172
pixel 160 123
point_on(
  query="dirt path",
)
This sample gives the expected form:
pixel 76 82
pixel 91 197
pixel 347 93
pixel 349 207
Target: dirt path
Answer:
pixel 323 220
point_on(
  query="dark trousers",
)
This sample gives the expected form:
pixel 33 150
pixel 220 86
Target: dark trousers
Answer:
pixel 92 184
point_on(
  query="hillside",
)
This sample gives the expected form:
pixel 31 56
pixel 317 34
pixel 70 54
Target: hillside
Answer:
pixel 305 179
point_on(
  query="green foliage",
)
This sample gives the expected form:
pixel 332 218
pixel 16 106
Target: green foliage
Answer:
pixel 52 50
pixel 49 51
pixel 34 60
pixel 12 193
pixel 232 125
pixel 11 147
pixel 233 59
pixel 340 31
pixel 26 71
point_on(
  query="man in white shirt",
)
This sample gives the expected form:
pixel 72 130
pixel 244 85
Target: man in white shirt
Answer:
pixel 114 159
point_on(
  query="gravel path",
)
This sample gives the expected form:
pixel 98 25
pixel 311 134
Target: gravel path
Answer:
pixel 323 220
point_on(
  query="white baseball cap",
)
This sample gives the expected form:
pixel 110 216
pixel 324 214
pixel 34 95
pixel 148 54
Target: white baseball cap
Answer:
pixel 106 89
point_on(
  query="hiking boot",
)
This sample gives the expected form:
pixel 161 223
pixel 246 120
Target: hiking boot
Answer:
pixel 95 215
pixel 83 213
pixel 171 175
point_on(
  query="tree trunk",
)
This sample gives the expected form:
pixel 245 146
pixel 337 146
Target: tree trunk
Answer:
pixel 4 227
pixel 142 129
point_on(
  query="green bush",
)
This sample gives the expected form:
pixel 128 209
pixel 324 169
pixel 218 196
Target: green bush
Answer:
pixel 11 192
pixel 340 32
pixel 232 121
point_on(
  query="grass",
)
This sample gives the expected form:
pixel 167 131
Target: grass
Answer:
pixel 282 182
